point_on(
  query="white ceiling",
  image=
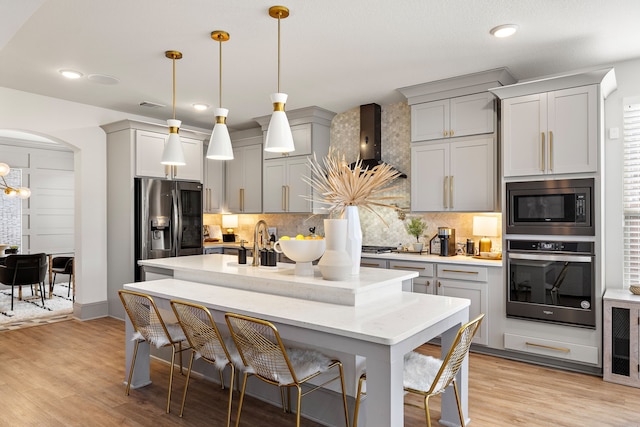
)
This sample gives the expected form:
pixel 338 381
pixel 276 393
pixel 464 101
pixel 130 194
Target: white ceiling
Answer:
pixel 336 54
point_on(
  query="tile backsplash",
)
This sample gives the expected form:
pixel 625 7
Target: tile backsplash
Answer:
pixel 383 227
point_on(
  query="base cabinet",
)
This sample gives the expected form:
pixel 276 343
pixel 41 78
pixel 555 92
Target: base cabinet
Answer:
pixel 454 280
pixel 621 363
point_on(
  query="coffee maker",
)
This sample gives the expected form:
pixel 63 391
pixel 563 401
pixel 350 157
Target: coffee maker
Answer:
pixel 447 238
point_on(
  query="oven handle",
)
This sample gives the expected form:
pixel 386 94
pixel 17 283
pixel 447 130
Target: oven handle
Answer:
pixel 551 257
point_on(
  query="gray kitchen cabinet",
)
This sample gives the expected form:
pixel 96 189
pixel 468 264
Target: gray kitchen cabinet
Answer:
pixel 457 176
pixel 454 280
pixel 212 195
pixel 284 189
pixel 243 174
pixel 149 147
pixel 373 262
pixel 453 117
pixel 551 133
pixel 621 336
pixel 302 141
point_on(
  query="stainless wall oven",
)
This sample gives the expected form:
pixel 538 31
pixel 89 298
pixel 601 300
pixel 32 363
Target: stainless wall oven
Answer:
pixel 550 207
pixel 551 281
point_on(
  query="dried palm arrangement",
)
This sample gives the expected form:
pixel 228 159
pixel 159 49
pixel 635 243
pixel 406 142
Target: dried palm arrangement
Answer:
pixel 337 185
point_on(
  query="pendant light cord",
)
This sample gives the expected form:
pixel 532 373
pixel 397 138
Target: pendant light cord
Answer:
pixel 220 88
pixel 174 87
pixel 279 14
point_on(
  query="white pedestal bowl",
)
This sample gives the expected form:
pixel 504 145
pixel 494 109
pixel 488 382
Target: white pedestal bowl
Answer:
pixel 303 252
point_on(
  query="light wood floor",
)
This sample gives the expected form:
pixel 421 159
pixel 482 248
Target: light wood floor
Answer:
pixel 71 374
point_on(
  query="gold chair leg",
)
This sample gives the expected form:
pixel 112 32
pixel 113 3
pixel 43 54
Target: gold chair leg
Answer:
pixel 244 385
pixel 426 410
pixel 455 390
pixel 298 405
pixel 173 360
pixel 233 373
pixel 186 384
pixel 133 362
pixel 344 396
pixel 356 410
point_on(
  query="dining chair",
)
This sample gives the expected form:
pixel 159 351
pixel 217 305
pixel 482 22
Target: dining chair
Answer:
pixel 62 265
pixel 24 270
pixel 150 327
pixel 207 343
pixel 266 357
pixel 428 376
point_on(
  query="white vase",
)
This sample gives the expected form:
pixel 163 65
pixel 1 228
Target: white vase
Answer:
pixel 354 237
pixel 335 263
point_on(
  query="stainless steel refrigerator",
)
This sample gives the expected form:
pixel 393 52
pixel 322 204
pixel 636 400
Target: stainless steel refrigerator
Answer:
pixel 168 219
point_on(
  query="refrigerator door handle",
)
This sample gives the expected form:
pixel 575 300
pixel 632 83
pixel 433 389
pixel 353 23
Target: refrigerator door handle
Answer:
pixel 177 221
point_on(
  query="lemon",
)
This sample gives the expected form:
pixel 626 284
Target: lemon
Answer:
pixel 299 237
pixel 285 238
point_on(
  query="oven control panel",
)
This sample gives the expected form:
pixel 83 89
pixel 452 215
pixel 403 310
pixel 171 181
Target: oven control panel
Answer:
pixel 549 246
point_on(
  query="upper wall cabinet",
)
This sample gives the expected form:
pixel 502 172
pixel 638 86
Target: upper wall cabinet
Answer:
pixel 139 145
pixel 284 189
pixel 212 196
pixel 553 125
pixel 149 148
pixel 453 117
pixel 243 177
pixel 551 133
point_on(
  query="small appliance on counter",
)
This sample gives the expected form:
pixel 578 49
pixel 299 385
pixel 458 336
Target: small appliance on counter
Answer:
pixel 447 241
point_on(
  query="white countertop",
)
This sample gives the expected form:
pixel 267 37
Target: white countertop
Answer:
pixel 223 270
pixel 387 321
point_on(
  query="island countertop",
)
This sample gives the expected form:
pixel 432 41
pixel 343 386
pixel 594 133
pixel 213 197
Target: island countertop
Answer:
pixel 223 270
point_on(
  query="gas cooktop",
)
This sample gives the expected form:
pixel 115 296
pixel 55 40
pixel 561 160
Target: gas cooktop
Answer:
pixel 377 249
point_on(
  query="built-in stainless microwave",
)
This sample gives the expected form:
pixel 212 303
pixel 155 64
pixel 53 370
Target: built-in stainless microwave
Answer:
pixel 550 207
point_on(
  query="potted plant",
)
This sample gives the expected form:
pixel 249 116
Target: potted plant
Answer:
pixel 12 250
pixel 416 227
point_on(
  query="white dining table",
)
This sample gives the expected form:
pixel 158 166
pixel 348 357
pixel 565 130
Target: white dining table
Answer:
pixel 382 331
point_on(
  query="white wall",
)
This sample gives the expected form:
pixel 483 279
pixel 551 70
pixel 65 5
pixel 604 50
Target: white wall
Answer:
pixel 628 86
pixel 77 126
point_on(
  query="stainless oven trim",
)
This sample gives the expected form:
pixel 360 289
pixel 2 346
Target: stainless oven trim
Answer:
pixel 552 257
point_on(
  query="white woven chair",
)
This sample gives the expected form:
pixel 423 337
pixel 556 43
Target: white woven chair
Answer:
pixel 265 356
pixel 149 326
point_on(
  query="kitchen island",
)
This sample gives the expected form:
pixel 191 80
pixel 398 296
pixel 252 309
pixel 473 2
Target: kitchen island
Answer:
pixel 377 330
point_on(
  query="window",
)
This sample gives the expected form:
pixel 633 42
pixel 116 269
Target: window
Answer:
pixel 631 193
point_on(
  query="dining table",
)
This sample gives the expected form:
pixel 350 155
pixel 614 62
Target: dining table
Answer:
pixel 50 254
pixel 380 330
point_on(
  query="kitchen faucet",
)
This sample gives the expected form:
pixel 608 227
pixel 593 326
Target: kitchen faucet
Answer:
pixel 259 237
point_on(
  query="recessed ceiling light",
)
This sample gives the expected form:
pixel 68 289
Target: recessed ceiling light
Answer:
pixel 504 30
pixel 71 74
pixel 200 107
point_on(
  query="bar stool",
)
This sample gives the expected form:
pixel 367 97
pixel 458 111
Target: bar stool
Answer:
pixel 265 356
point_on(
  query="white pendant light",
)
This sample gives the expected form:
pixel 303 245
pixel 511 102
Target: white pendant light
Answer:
pixel 220 142
pixel 279 138
pixel 173 154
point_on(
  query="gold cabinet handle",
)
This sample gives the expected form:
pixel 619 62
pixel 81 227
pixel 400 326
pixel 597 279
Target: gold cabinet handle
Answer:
pixel 428 283
pixel 408 267
pixel 439 284
pixel 542 152
pixel 551 150
pixel 548 347
pixel 283 203
pixel 369 264
pixel 451 192
pixel 445 191
pixel 459 271
pixel 451 132
pixel 242 200
pixel 445 133
pixel 287 198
